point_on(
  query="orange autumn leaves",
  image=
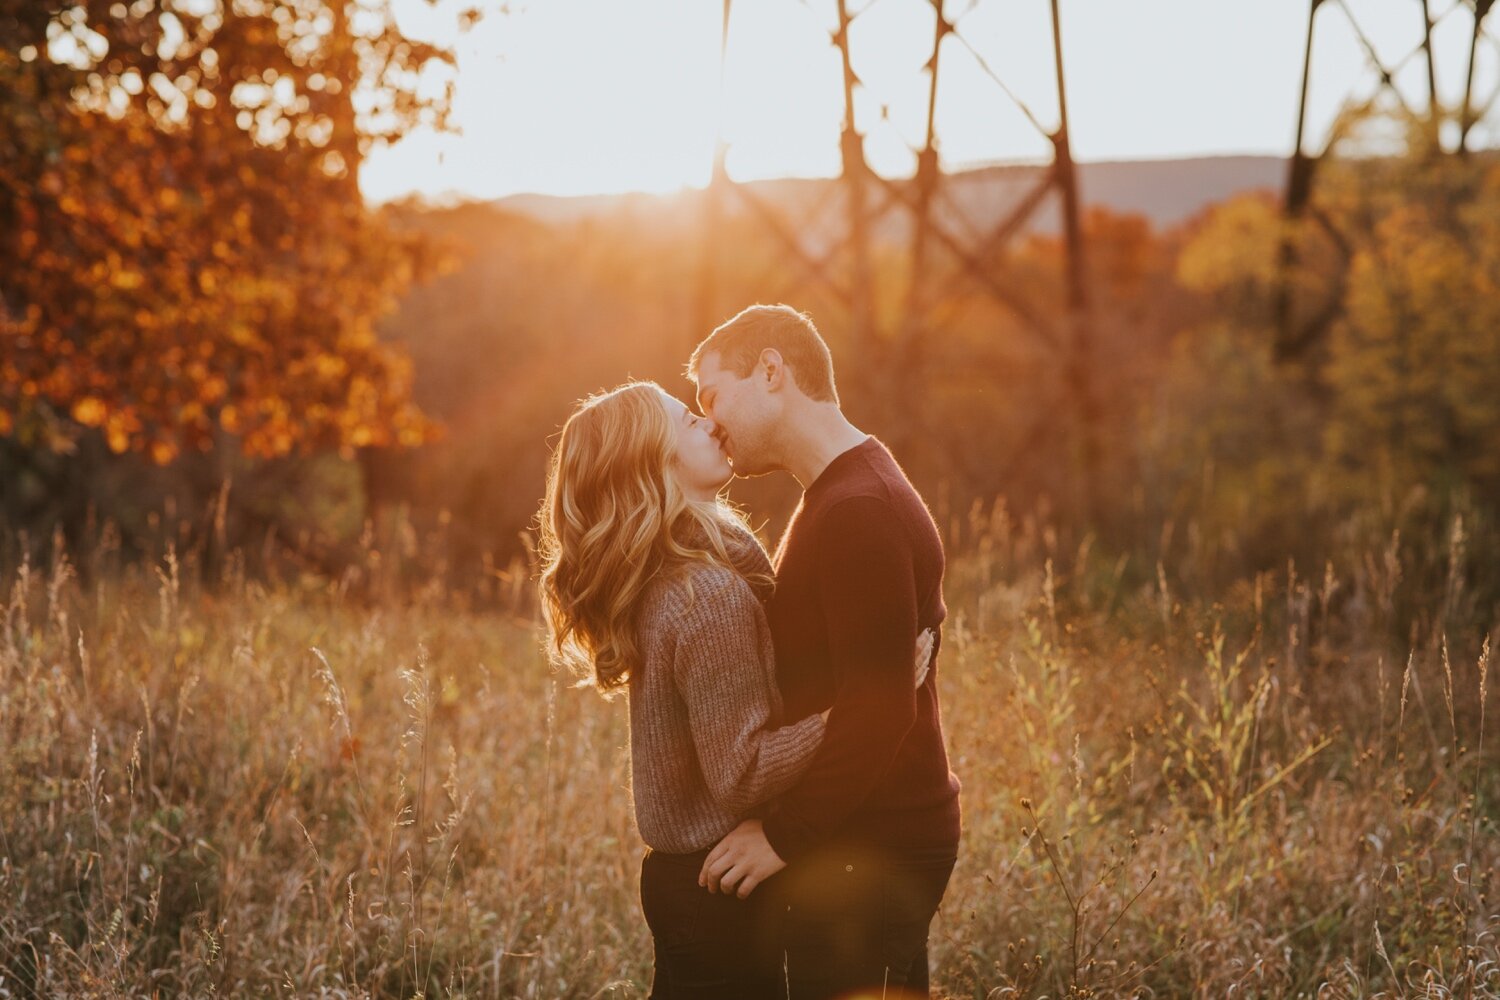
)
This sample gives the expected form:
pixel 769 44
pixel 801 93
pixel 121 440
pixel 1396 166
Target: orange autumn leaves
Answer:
pixel 161 332
pixel 168 281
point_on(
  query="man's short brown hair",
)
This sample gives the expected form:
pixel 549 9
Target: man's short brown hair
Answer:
pixel 740 341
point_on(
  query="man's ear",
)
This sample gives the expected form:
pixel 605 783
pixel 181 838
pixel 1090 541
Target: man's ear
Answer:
pixel 774 368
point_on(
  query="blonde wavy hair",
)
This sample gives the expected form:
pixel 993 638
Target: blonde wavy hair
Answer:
pixel 614 518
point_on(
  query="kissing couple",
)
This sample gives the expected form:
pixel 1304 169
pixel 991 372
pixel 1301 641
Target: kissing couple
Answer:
pixel 788 768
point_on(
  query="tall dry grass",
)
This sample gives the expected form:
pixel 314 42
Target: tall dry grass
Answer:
pixel 306 786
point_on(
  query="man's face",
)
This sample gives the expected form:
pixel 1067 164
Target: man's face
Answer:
pixel 744 412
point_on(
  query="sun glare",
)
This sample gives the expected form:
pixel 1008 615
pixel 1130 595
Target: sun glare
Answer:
pixel 571 97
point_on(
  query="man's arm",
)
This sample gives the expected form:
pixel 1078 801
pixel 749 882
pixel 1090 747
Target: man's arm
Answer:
pixel 868 594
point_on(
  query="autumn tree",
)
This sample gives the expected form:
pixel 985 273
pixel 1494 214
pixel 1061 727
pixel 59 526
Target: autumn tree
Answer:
pixel 184 254
pixel 1390 420
pixel 1416 356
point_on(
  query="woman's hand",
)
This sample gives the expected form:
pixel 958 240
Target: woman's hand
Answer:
pixel 925 643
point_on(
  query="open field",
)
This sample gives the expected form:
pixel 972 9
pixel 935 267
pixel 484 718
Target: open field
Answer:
pixel 1216 670
pixel 296 788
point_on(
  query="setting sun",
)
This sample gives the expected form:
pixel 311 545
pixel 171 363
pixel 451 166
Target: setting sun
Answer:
pixel 596 96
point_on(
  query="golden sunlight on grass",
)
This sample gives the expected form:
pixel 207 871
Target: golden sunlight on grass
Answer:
pixel 299 788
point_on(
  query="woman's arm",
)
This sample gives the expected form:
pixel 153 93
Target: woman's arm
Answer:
pixel 721 667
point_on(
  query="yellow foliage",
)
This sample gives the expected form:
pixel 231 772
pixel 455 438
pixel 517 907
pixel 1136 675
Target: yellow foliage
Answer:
pixel 162 452
pixel 330 366
pixel 411 435
pixel 90 411
pixel 212 389
pixel 1236 246
pixel 1416 360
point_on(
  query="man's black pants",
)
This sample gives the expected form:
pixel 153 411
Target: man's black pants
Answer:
pixel 848 918
pixel 856 919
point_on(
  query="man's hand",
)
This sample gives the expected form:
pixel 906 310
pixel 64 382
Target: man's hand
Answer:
pixel 744 858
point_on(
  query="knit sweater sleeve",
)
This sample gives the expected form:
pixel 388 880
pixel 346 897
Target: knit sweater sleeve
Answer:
pixel 726 687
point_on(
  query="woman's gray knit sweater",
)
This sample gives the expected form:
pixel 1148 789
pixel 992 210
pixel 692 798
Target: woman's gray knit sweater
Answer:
pixel 704 706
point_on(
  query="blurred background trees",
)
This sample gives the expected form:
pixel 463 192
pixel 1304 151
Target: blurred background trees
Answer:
pixel 192 294
pixel 1220 459
pixel 186 265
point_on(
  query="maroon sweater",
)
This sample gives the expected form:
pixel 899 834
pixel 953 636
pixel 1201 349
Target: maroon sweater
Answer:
pixel 859 574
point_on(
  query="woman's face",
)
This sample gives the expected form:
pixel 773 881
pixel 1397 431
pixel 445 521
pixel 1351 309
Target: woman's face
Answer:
pixel 701 466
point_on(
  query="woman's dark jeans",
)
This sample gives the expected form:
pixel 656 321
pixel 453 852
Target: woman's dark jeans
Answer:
pixel 709 944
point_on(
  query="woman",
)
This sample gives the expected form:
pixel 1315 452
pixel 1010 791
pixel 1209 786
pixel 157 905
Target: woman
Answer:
pixel 652 584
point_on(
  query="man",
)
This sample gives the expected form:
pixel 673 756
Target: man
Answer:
pixel 869 835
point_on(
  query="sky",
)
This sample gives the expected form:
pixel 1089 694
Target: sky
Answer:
pixel 573 97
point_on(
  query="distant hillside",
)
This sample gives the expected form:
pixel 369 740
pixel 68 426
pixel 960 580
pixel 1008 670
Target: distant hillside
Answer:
pixel 1170 191
pixel 1165 191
